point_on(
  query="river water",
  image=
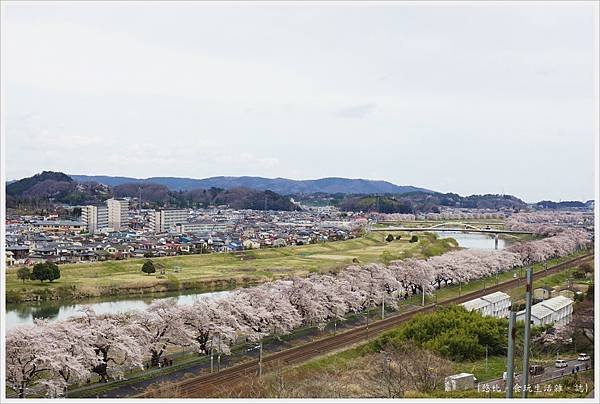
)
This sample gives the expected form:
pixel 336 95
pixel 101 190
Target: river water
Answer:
pixel 25 313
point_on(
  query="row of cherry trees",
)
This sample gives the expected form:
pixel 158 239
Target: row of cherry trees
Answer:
pixel 450 215
pixel 53 355
pixel 548 223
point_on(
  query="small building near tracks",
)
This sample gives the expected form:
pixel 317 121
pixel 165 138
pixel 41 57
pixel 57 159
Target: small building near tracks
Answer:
pixel 495 304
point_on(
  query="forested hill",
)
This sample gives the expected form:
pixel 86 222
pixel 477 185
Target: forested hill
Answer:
pixel 48 188
pixel 236 198
pixel 428 202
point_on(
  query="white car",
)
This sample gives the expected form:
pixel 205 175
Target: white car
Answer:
pixel 560 363
pixel 583 357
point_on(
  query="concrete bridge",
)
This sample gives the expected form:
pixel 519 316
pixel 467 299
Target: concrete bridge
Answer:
pixel 452 226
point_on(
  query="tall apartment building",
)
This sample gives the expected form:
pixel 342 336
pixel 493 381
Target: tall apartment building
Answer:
pixel 95 217
pixel 164 219
pixel 117 213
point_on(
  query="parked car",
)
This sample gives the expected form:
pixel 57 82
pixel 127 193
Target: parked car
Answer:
pixel 560 363
pixel 535 370
pixel 583 357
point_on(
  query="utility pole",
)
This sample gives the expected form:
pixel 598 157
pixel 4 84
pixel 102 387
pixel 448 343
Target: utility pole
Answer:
pixel 219 353
pixel 383 307
pixel 528 288
pixel 486 357
pixel 510 358
pixel 423 300
pixel 212 367
pixel 368 310
pixel 260 355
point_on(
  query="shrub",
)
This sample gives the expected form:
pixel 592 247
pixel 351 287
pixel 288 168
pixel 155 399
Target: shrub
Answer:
pixel 148 267
pixel 453 333
pixel 47 271
pixel 414 239
pixel 23 274
pixel 390 237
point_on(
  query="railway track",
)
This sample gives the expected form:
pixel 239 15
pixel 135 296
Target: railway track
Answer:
pixel 204 385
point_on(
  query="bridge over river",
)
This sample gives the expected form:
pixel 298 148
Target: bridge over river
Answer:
pixel 452 226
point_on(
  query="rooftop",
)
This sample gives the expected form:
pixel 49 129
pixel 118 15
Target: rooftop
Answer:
pixel 496 297
pixel 556 303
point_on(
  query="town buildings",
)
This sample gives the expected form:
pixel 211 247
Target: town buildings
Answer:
pixel 165 219
pixel 95 217
pixel 151 233
pixel 118 213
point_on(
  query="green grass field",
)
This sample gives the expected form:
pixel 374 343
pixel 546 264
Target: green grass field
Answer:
pixel 218 271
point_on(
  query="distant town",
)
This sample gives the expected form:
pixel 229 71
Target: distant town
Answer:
pixel 121 228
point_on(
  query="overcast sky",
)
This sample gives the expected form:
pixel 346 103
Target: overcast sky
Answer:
pixel 468 99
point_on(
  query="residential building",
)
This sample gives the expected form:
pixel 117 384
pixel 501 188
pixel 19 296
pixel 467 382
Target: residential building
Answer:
pixel 164 219
pixel 201 227
pixel 118 210
pixel 58 226
pixel 95 217
pixel 10 259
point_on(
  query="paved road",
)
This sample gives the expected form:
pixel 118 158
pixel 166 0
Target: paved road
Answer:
pixel 550 372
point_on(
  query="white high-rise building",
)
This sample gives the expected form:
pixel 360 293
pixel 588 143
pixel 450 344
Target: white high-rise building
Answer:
pixel 164 219
pixel 117 213
pixel 95 217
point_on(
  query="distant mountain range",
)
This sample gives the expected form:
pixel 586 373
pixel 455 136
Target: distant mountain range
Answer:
pixel 47 188
pixel 284 186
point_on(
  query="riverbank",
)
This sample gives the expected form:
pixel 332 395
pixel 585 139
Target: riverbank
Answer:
pixel 214 272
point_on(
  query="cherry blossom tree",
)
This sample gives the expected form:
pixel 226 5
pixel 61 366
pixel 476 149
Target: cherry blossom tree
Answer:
pixel 159 326
pixel 207 318
pixel 28 357
pixel 71 363
pixel 114 342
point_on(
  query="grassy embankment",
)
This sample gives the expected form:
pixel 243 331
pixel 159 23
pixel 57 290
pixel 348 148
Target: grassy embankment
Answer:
pixel 209 272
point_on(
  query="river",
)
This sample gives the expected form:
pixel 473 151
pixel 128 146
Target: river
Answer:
pixel 25 313
pixel 476 241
